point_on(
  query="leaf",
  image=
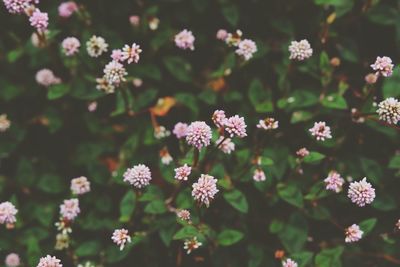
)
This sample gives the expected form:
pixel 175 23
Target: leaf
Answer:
pixel 394 162
pixel 229 237
pixel 231 14
pixel 156 206
pixel 334 101
pixel 50 183
pixel 237 200
pixel 373 168
pixel 313 157
pixel 57 91
pixel 329 257
pixel 276 226
pixel 303 258
pixel 291 194
pixel 265 161
pixel 383 14
pixel 179 68
pixel 294 234
pixel 259 97
pixel 384 202
pixel 89 248
pixel 302 99
pixel 390 86
pixel 127 206
pixel 186 232
pixel 367 225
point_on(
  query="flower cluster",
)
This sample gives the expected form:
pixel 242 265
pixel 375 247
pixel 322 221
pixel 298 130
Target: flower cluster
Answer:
pixel 259 175
pixel 180 130
pixel 205 189
pixel 80 185
pixel 268 124
pixel 7 213
pixel 353 233
pixel 49 261
pixel 289 263
pixel 334 182
pixel 300 50
pixel 389 110
pixel 191 244
pixel 225 145
pixel 185 40
pixel 198 134
pixel 183 215
pixel 12 260
pixel 69 210
pixel 70 46
pixel 39 20
pixel 383 66
pixel 321 131
pixel 139 176
pixel 182 173
pixel 96 46
pixel 66 9
pixel 245 48
pixel 361 193
pixel 46 78
pixel 121 237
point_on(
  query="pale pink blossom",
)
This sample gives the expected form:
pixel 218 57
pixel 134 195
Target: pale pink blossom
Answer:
pixel 246 48
pixel 104 86
pixel 69 210
pixel 183 215
pixel 289 263
pixel 166 158
pixel 7 213
pixel 259 175
pixel 114 73
pixel 222 34
pixel 182 173
pixel 96 46
pixel 4 123
pixel 361 192
pixel 139 176
pixel 300 50
pixel 80 185
pixel 70 46
pixel 191 244
pixel 137 82
pixel 389 110
pixel 235 126
pixel 17 6
pixel 180 130
pixel 134 20
pixel 121 237
pixel 321 131
pixel 205 189
pixel 219 118
pixel 12 260
pixel 66 9
pixel 46 77
pixel 131 53
pixel 334 182
pixel 227 146
pixel 49 261
pixel 39 20
pixel 383 66
pixel 371 78
pixel 198 134
pixel 116 55
pixel 353 234
pixel 185 40
pixel 302 152
pixel 92 106
pixel 268 124
pixel 153 23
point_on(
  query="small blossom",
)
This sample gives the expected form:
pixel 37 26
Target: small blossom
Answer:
pixel 46 77
pixel 70 46
pixel 334 182
pixel 302 152
pixel 96 46
pixel 12 260
pixel 49 261
pixel 38 42
pixel 131 53
pixel 205 189
pixel 198 134
pixel 191 244
pixel 80 185
pixel 219 118
pixel 39 20
pixel 259 175
pixel 166 158
pixel 180 130
pixel 227 146
pixel 182 173
pixel 153 23
pixel 236 126
pixel 92 106
pixel 300 50
pixel 383 66
pixel 7 213
pixel 64 226
pixel 105 86
pixel 222 34
pixel 268 124
pixel 70 209
pixel 361 193
pixel 116 55
pixel 246 49
pixel 233 39
pixel 114 73
pixel 121 237
pixel 289 263
pixel 139 176
pixel 353 234
pixel 389 110
pixel 134 20
pixel 62 241
pixel 137 82
pixel 321 131
pixel 183 215
pixel 66 9
pixel 17 6
pixel 371 78
pixel 185 40
pixel 4 123
pixel 161 132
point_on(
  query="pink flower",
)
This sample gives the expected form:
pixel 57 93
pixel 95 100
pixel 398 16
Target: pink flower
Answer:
pixel 46 77
pixel 289 263
pixel 246 49
pixel 70 46
pixel 139 176
pixel 116 55
pixel 198 134
pixel 7 213
pixel 219 118
pixel 183 215
pixel 80 185
pixel 17 6
pixel 49 261
pixel 134 20
pixel 12 260
pixel 180 130
pixel 371 78
pixel 137 82
pixel 268 124
pixel 66 9
pixel 334 182
pixel 383 66
pixel 300 50
pixel 191 244
pixel 92 106
pixel 131 53
pixel 39 20
pixel 259 175
pixel 121 237
pixel 222 34
pixel 302 152
pixel 227 146
pixel 353 234
pixel 182 173
pixel 205 189
pixel 114 73
pixel 4 123
pixel 185 40
pixel 321 131
pixel 361 193
pixel 236 126
pixel 70 209
pixel 389 110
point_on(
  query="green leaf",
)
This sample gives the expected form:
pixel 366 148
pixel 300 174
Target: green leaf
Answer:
pixel 394 162
pixel 303 258
pixel 89 248
pixel 302 99
pixel 334 101
pixel 156 206
pixel 186 232
pixel 383 14
pixel 294 234
pixel 231 14
pixel 127 206
pixel 291 194
pixel 51 184
pixel 179 68
pixel 300 116
pixel 329 257
pixel 373 168
pixel 14 55
pixel 259 97
pixel 265 161
pixel 390 86
pixel 237 200
pixel 229 237
pixel 57 91
pixel 367 225
pixel 384 202
pixel 276 226
pixel 314 157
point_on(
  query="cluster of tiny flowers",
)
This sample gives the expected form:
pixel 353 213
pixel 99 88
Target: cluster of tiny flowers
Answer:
pixel 191 244
pixel 139 176
pixel 70 209
pixel 225 145
pixel 7 213
pixel 383 66
pixel 180 130
pixel 235 126
pixel 131 53
pixel 321 131
pixel 289 263
pixel 353 233
pixel 361 193
pixel 46 77
pixel 185 40
pixel 4 123
pixel 96 46
pixel 80 185
pixel 114 73
pixel 183 215
pixel 166 158
pixel 70 46
pixel 49 261
pixel 259 175
pixel 39 20
pixel 161 132
pixel 334 182
pixel 389 110
pixel 268 124
pixel 134 20
pixel 300 50
pixel 205 189
pixel 66 9
pixel 153 23
pixel 246 49
pixel 198 134
pixel 62 241
pixel 233 39
pixel 116 55
pixel 302 152
pixel 12 260
pixel 17 6
pixel 104 86
pixel 121 237
pixel 222 34
pixel 182 173
pixel 219 118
